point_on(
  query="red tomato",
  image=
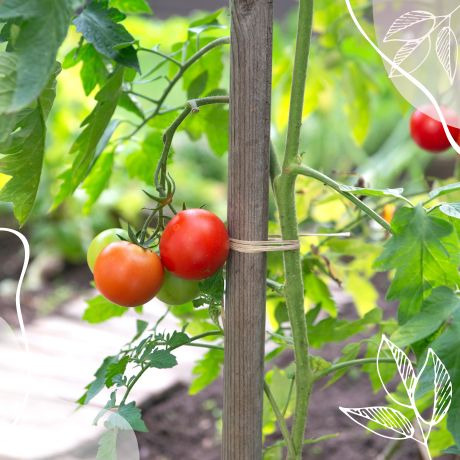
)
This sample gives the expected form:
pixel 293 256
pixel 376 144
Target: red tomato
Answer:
pixel 194 244
pixel 429 134
pixel 127 274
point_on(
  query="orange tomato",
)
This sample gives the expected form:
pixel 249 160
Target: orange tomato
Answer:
pixel 127 274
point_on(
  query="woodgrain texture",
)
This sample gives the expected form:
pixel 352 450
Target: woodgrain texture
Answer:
pixel 250 94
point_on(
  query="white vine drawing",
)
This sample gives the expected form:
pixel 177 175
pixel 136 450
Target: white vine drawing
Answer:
pixel 394 421
pixel 421 26
pixel 4 324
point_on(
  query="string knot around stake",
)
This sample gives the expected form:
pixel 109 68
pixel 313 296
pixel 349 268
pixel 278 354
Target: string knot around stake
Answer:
pixel 274 243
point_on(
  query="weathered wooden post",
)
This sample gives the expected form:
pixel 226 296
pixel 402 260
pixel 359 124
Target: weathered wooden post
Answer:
pixel 250 97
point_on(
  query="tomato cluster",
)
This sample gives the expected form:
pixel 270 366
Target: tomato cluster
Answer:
pixel 194 246
pixel 429 133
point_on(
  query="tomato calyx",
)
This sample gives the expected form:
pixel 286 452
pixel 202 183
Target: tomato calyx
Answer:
pixel 148 238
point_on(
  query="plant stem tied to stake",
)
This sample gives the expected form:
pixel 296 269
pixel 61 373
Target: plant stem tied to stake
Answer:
pixel 285 196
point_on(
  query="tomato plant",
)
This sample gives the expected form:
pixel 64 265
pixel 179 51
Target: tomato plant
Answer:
pixel 429 133
pixel 194 244
pixel 127 274
pixel 150 98
pixel 177 291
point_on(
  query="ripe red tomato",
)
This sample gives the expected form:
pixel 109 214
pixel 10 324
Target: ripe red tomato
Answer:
pixel 127 274
pixel 194 244
pixel 429 134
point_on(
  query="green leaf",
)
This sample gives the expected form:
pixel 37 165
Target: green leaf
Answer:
pixel 417 251
pixel 131 105
pixel 115 369
pixel 96 386
pixel 210 21
pixel 436 309
pixel 100 309
pixel 131 6
pixel 133 416
pixel 41 26
pixel 177 339
pixel 197 85
pixel 395 193
pixel 142 163
pixel 444 347
pixel 111 39
pixel 161 359
pixel 107 449
pixel 210 65
pixel 358 101
pixel 363 292
pixel 206 370
pixel 141 326
pixel 320 333
pixel 95 136
pixel 318 292
pixel 446 189
pixel 93 71
pixel 22 154
pixel 216 129
pixel 451 209
pixel 98 179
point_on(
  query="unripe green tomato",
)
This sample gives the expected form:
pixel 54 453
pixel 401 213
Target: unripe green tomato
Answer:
pixel 177 291
pixel 101 241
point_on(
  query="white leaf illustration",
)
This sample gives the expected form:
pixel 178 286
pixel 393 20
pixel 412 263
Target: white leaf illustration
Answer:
pixel 417 23
pixel 406 51
pixel 404 366
pixel 447 51
pixel 386 417
pixel 435 371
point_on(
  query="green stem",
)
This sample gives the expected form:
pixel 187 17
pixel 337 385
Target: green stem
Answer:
pixel 204 345
pixel 191 107
pixel 163 55
pixel 188 63
pixel 142 371
pixel 281 421
pixel 310 172
pixel 284 186
pixel 355 362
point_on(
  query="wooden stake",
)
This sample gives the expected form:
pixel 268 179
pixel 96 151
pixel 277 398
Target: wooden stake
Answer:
pixel 250 96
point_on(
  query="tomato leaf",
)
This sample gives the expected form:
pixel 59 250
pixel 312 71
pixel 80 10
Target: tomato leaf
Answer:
pixel 436 309
pixel 418 253
pixel 22 153
pixel 131 6
pixel 107 445
pixel 114 370
pixel 40 29
pixel 96 386
pixel 111 39
pixel 161 359
pixel 443 346
pixel 98 179
pixel 95 136
pixel 206 370
pixel 100 309
pixel 133 416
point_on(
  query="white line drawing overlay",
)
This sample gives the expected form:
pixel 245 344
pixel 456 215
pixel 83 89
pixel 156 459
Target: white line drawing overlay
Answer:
pixel 442 50
pixel 433 379
pixel 422 26
pixel 22 328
